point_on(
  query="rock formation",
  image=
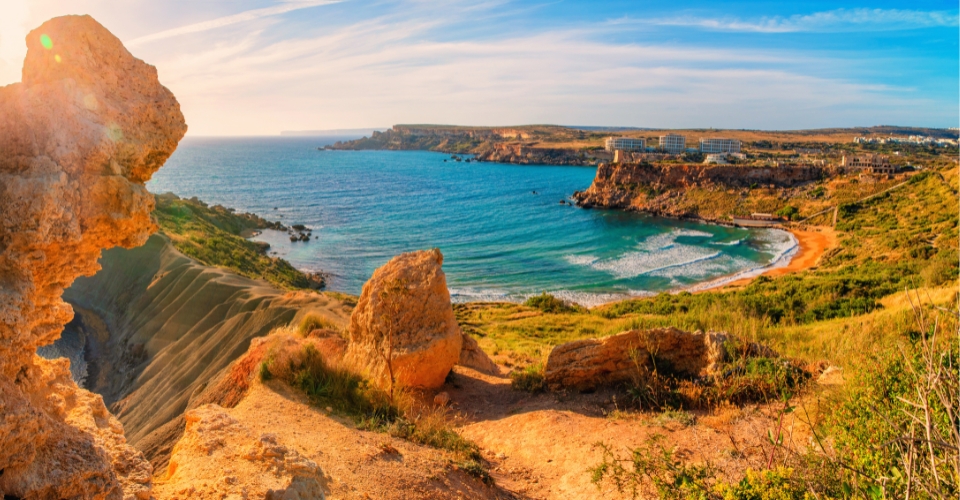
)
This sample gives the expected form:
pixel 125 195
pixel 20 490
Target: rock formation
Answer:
pixel 87 126
pixel 472 356
pixel 220 458
pixel 405 308
pixel 662 188
pixel 589 363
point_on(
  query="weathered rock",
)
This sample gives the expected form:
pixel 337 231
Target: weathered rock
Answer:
pixel 589 363
pixel 659 188
pixel 407 301
pixel 88 125
pixel 472 356
pixel 220 458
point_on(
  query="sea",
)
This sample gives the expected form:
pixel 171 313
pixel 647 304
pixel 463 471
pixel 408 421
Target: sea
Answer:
pixel 503 231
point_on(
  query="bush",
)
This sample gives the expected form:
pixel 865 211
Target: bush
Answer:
pixel 314 322
pixel 530 379
pixel 549 304
pixel 652 471
pixel 788 212
pixel 777 484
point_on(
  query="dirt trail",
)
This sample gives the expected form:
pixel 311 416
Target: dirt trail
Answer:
pixel 541 446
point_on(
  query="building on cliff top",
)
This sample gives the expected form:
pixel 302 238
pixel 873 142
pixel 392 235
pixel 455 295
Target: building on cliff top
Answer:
pixel 673 143
pixel 717 145
pixel 624 144
pixel 875 164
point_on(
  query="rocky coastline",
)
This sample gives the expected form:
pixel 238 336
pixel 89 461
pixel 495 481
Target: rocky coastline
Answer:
pixel 708 193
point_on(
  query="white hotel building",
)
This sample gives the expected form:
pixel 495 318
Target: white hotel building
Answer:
pixel 673 143
pixel 713 146
pixel 624 144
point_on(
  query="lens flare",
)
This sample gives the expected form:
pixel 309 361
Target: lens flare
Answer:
pixel 46 41
pixel 56 57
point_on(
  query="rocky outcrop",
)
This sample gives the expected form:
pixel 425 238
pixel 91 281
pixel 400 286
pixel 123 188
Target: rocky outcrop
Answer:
pixel 219 458
pixel 589 363
pixel 473 357
pixel 528 154
pixel 404 315
pixel 663 188
pixel 79 136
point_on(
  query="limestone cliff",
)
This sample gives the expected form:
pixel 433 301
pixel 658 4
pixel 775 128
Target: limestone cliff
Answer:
pixel 82 132
pixel 705 191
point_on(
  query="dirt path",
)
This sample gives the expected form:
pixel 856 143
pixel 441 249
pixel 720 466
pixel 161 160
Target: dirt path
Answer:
pixel 542 446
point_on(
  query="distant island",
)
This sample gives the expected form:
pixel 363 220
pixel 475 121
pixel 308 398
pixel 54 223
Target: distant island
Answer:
pixel 346 132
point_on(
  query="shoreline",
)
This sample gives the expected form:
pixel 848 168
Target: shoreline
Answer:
pixel 811 245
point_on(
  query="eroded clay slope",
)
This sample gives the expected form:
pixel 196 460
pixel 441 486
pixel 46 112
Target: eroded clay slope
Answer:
pixel 88 125
pixel 174 326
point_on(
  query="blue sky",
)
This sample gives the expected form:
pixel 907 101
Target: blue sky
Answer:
pixel 258 67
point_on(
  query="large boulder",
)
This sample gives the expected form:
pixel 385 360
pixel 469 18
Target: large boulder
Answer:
pixel 589 363
pixel 79 137
pixel 405 308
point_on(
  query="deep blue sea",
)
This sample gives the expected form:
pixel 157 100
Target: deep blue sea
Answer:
pixel 501 228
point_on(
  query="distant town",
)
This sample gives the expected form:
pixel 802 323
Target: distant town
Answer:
pixel 721 151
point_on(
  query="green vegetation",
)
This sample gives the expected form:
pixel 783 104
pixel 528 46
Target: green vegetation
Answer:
pixel 528 379
pixel 549 304
pixel 891 427
pixel 315 322
pixel 213 236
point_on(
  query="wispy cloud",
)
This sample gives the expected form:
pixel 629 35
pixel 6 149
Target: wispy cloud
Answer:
pixel 391 70
pixel 828 21
pixel 249 15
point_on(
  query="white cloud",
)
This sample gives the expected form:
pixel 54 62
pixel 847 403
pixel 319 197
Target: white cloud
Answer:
pixel 249 15
pixel 834 20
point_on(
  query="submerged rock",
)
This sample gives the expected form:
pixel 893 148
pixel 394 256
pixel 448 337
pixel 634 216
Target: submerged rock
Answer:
pixel 406 306
pixel 88 125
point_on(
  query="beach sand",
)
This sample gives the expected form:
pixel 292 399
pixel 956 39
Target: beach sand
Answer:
pixel 813 243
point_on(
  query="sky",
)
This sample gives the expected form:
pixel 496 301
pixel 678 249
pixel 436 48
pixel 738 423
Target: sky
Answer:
pixel 258 67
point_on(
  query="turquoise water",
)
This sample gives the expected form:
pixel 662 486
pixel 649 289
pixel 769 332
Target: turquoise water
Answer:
pixel 501 228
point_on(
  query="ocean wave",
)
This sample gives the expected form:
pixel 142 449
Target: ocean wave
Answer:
pixel 580 260
pixel 585 299
pixel 729 243
pixel 785 246
pixel 692 232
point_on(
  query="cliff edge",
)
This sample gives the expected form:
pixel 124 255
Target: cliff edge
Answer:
pixel 79 136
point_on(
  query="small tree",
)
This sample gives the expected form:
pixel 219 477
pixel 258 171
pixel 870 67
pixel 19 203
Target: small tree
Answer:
pixel 392 304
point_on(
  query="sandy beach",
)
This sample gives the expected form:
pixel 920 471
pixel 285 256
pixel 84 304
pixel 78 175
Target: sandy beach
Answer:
pixel 812 242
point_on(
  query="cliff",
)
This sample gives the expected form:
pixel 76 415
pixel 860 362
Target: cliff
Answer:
pixel 173 326
pixel 82 132
pixel 710 192
pixel 526 145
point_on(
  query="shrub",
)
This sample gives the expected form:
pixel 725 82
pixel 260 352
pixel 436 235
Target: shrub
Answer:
pixel 653 470
pixel 777 484
pixel 529 379
pixel 788 212
pixel 549 304
pixel 313 322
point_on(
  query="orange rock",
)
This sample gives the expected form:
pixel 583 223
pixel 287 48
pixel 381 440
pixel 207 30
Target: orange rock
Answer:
pixel 407 301
pixel 79 136
pixel 218 457
pixel 589 363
